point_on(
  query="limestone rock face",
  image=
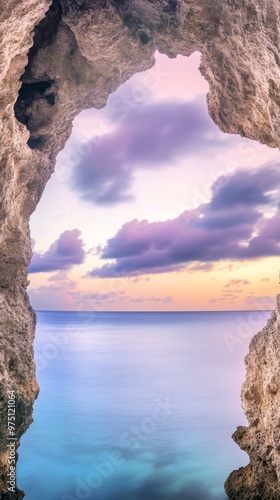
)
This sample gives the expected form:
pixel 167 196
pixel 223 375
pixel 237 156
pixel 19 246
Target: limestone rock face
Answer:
pixel 260 400
pixel 58 57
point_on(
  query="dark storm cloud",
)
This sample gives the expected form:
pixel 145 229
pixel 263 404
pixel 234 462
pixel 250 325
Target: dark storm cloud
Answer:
pixel 216 230
pixel 64 253
pixel 152 136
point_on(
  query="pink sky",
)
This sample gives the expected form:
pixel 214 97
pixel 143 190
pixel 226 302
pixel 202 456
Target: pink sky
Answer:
pixel 152 154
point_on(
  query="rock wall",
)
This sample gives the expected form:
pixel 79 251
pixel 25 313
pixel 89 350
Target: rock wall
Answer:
pixel 260 401
pixel 59 57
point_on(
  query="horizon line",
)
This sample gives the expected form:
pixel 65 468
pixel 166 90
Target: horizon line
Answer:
pixel 139 312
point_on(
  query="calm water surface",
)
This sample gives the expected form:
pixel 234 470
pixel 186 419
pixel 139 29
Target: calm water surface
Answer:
pixel 136 406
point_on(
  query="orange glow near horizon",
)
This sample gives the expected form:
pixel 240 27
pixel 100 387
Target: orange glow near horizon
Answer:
pixel 159 194
pixel 228 286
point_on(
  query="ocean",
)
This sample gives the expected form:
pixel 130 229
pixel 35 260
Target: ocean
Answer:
pixel 136 406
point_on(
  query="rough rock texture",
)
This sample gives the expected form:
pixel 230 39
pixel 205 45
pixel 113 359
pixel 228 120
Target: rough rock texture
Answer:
pixel 260 400
pixel 82 51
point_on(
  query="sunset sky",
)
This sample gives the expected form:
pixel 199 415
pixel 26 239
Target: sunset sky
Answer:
pixel 152 207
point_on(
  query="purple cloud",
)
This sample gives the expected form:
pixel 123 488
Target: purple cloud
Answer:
pixel 245 189
pixel 214 231
pixel 66 252
pixel 200 266
pixel 165 300
pixel 152 136
pixel 236 282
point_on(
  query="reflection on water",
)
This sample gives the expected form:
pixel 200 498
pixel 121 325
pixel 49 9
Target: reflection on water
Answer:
pixel 134 406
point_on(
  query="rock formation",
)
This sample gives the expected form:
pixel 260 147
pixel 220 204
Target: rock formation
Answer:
pixel 260 401
pixel 59 57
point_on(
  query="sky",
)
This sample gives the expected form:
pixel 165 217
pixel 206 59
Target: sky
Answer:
pixel 153 208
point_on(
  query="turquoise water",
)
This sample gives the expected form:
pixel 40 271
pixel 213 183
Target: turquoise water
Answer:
pixel 136 406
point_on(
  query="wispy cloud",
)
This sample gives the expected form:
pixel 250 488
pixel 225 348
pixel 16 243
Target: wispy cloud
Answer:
pixel 62 293
pixel 236 282
pixel 164 300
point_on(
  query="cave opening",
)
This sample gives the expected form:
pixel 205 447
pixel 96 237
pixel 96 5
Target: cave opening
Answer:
pixel 154 235
pixel 147 163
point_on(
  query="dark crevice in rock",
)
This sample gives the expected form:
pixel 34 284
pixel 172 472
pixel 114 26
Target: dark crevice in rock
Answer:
pixel 36 142
pixel 144 38
pixel 34 96
pixel 172 6
pixel 28 93
pixel 45 32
